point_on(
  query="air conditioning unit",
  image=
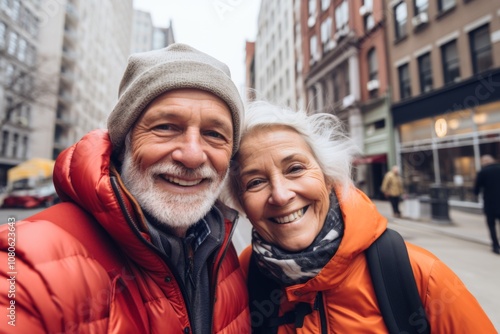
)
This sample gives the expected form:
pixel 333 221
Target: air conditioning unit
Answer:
pixel 311 21
pixel 372 85
pixel 365 10
pixel 420 19
pixel 348 101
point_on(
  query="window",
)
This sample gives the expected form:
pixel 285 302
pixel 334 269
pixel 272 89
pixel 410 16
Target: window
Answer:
pixel 312 7
pixel 404 81
pixel 16 6
pixel 372 72
pixel 5 143
pixel 21 50
pixel 369 22
pixel 480 46
pixel 451 65
pixel 25 148
pixel 444 5
pixel 342 16
pixel 325 4
pixel 2 35
pixel 346 77
pixel 12 43
pixel 400 18
pixel 15 143
pixel 326 33
pixel 336 86
pixel 9 73
pixel 425 72
pixel 421 6
pixel 313 47
pixel 372 64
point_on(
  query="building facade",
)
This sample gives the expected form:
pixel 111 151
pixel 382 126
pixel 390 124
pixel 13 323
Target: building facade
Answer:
pixel 445 69
pixel 146 36
pixel 274 53
pixel 87 65
pixel 249 93
pixel 346 74
pixel 19 88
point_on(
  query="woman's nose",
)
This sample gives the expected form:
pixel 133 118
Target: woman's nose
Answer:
pixel 281 193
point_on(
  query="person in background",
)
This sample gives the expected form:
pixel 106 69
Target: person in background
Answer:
pixel 488 182
pixel 392 188
pixel 311 226
pixel 140 243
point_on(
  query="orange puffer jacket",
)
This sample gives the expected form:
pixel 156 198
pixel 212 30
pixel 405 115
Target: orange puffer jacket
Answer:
pixel 344 285
pixel 89 267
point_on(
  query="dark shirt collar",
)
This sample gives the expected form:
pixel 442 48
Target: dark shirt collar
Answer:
pixel 197 234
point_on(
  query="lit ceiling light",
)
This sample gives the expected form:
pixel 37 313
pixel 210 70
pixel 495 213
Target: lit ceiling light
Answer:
pixel 441 127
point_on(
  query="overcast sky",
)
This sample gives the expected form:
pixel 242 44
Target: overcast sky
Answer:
pixel 216 27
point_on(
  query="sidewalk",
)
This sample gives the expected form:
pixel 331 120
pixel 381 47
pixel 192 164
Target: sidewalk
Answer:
pixel 467 226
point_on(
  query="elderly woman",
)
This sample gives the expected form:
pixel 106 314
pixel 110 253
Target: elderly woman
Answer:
pixel 311 226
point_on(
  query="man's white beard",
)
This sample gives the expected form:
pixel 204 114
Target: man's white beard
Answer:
pixel 174 210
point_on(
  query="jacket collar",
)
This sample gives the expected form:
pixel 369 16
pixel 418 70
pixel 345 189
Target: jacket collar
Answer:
pixel 363 225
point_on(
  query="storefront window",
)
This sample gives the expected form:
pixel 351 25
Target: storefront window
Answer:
pixel 458 123
pixel 418 130
pixel 418 171
pixel 457 171
pixel 487 117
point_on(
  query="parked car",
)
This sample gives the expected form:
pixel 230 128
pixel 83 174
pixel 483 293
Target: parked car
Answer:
pixel 29 185
pixel 42 195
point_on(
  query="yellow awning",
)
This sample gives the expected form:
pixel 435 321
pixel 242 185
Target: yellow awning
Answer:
pixel 34 168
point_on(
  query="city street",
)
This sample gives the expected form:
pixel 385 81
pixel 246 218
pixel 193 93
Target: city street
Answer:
pixel 473 262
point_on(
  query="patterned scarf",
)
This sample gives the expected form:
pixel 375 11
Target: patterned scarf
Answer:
pixel 293 268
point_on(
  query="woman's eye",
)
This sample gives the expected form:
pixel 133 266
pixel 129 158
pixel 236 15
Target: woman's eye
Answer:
pixel 253 183
pixel 295 169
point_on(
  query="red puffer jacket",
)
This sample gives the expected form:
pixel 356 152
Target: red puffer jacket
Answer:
pixel 89 267
pixel 342 295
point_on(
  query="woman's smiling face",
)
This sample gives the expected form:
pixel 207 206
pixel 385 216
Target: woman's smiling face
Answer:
pixel 283 189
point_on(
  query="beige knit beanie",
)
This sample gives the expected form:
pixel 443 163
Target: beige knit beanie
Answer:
pixel 150 74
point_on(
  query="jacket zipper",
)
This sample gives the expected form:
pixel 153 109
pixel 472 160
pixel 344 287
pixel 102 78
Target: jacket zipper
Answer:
pixel 130 222
pixel 216 276
pixel 319 305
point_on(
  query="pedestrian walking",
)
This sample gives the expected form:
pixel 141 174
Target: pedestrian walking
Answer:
pixel 392 188
pixel 488 182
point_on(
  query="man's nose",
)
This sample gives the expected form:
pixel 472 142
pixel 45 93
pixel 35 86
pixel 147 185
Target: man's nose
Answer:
pixel 190 151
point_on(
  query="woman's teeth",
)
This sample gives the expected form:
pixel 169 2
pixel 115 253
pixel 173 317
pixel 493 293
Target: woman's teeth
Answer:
pixel 290 218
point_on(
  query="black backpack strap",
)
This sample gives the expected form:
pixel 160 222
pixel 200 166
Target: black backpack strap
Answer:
pixel 265 300
pixel 395 285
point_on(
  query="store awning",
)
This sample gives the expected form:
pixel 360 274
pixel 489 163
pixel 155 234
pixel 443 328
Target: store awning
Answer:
pixel 370 159
pixel 34 168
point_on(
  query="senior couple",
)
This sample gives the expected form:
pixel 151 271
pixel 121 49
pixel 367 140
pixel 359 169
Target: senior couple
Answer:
pixel 141 242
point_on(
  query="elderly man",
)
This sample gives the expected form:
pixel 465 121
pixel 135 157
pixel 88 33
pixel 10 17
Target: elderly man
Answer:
pixel 139 244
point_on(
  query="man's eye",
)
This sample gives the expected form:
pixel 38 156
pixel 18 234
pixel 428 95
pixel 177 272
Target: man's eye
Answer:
pixel 163 127
pixel 214 134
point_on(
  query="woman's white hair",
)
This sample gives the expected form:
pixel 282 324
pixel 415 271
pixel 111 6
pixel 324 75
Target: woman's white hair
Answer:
pixel 324 133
